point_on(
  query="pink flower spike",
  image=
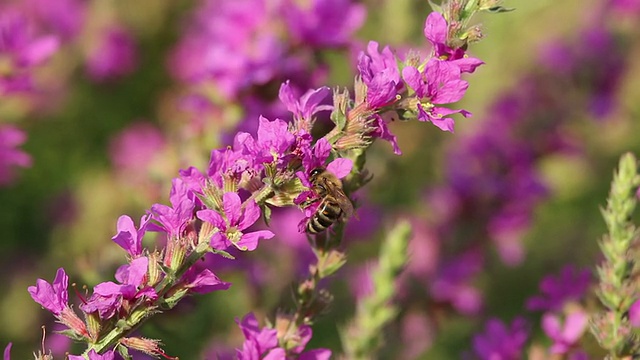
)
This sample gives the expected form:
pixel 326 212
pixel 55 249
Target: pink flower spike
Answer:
pixel 341 167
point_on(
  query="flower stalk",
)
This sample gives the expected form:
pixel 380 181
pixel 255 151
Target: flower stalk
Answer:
pixel 618 288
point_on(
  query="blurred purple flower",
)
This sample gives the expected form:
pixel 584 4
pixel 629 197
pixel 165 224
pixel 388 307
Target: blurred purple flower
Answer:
pixel 627 7
pixel 231 42
pixel 565 336
pixel 499 341
pixel 452 283
pixel 114 55
pixel 417 333
pixel 570 285
pixel 21 50
pixel 10 156
pixel 324 23
pixel 61 17
pixel 233 222
pixel 136 147
pixel 360 281
pixel 440 83
pixel 634 314
pixel 596 66
pixel 7 351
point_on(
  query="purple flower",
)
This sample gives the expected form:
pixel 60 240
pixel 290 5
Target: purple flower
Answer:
pixel 304 107
pixel 128 237
pixel 453 283
pixel 324 22
pixel 7 352
pixel 202 282
pixel 173 220
pixel 93 355
pixel 108 297
pixel 440 83
pixel 436 30
pixel 382 131
pixel 232 223
pixel 231 43
pixel 231 164
pixel 500 341
pixel 565 336
pixel 274 138
pixel 114 55
pixel 136 147
pixel 634 314
pixel 570 285
pixel 10 156
pixel 53 297
pixel 62 17
pixel 627 7
pixel 22 49
pixel 258 341
pixel 379 71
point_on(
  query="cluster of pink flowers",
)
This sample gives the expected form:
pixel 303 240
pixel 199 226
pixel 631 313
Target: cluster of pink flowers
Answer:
pixel 216 210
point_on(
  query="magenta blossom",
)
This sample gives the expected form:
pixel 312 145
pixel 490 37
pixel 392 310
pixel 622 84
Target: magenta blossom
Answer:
pixel 108 297
pixel 438 84
pixel 379 71
pixel 565 336
pixel 202 282
pixel 634 314
pixel 263 343
pixel 236 218
pixel 436 30
pixel 174 219
pixel 10 156
pixel 53 297
pixel 114 55
pixel 7 352
pixel 303 107
pixel 258 342
pixel 128 237
pixel 500 341
pixel 324 22
pixel 555 291
pixel 93 355
pixel 22 50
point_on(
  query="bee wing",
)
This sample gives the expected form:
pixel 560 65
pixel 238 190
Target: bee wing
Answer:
pixel 341 198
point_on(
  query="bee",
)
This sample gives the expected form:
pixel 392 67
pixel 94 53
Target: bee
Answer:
pixel 334 204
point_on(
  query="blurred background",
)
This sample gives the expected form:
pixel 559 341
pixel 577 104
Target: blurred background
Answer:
pixel 104 101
